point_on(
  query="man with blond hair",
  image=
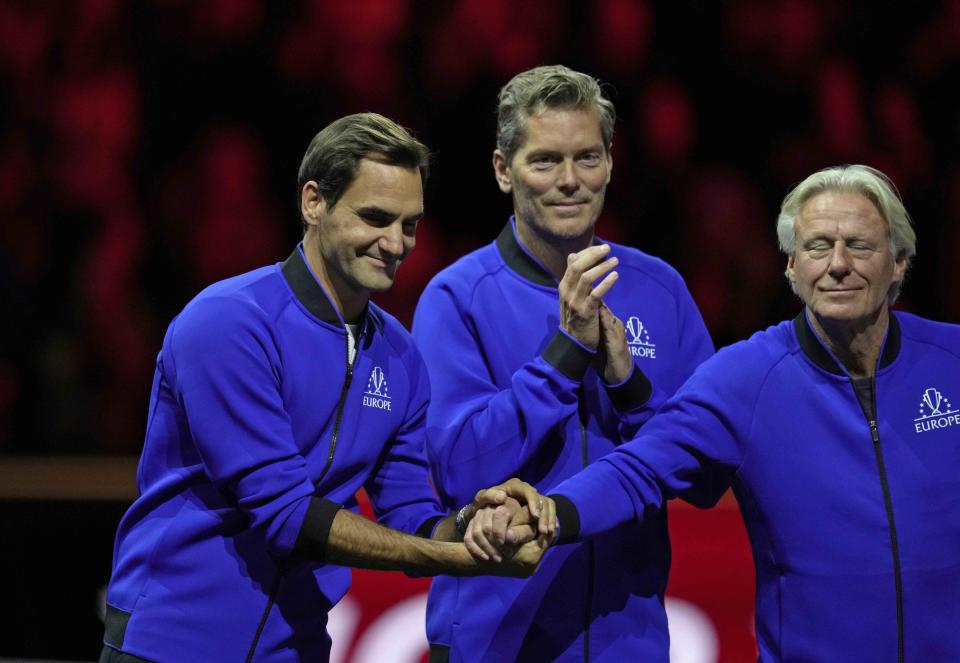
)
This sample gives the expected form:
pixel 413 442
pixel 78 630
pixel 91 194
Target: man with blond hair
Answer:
pixel 547 349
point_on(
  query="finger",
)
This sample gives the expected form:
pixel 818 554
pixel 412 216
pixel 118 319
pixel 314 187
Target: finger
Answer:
pixel 577 263
pixel 487 541
pixel 469 540
pixel 500 522
pixel 604 286
pixel 611 323
pixel 489 497
pixel 547 524
pixel 588 257
pixel 526 494
pixel 520 534
pixel 481 534
pixel 594 274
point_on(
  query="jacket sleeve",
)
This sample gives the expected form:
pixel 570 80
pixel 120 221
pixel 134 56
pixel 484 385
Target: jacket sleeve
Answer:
pixel 479 434
pixel 694 347
pixel 399 486
pixel 697 435
pixel 227 373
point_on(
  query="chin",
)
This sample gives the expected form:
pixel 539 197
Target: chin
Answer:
pixel 568 227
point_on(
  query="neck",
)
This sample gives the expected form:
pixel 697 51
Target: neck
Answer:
pixel 856 345
pixel 349 302
pixel 551 252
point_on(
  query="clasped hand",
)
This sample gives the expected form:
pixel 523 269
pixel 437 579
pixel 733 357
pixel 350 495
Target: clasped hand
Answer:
pixel 512 524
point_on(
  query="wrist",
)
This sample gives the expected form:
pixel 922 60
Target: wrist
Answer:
pixel 463 518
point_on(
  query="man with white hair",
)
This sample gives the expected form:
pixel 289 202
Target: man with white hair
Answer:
pixel 840 435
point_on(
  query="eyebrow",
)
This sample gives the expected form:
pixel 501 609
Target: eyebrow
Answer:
pixel 553 153
pixel 833 240
pixel 383 216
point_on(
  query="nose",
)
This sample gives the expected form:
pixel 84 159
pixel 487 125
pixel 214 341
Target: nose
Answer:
pixel 567 180
pixel 839 261
pixel 391 241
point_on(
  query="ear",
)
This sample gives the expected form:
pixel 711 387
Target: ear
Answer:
pixel 312 204
pixel 609 163
pixel 501 171
pixel 900 267
pixel 791 264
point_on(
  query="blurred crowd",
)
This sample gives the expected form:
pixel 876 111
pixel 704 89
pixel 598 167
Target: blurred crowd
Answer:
pixel 149 148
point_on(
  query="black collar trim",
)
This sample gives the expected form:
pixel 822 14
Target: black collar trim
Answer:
pixel 519 260
pixel 819 355
pixel 307 290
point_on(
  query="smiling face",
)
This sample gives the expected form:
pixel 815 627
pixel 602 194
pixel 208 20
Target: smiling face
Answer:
pixel 361 242
pixel 842 267
pixel 559 174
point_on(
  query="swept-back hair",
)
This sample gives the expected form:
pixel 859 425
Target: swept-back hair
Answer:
pixel 550 87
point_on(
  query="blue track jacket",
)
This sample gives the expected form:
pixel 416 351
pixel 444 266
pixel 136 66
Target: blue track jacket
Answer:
pixel 854 518
pixel 514 396
pixel 257 433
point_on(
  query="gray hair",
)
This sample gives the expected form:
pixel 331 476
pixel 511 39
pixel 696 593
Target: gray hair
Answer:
pixel 333 156
pixel 548 88
pixel 869 183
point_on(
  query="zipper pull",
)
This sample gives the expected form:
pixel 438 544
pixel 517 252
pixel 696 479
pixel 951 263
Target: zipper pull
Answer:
pixel 874 432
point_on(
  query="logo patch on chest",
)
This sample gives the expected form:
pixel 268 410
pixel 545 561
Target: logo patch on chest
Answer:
pixel 377 394
pixel 638 339
pixel 935 412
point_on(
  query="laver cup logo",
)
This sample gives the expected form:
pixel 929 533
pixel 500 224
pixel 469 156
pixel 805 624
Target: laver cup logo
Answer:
pixel 638 338
pixel 935 412
pixel 377 394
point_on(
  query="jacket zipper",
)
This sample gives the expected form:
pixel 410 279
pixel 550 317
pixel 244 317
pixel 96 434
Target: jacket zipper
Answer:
pixel 888 505
pixel 591 552
pixel 333 447
pixel 343 400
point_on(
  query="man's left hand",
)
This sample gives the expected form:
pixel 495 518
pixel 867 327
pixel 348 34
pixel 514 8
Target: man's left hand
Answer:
pixel 613 362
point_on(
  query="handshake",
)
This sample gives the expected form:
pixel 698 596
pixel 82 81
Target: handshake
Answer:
pixel 508 528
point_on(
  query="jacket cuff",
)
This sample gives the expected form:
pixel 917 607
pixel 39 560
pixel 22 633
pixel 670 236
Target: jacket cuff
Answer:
pixel 568 517
pixel 315 530
pixel 425 531
pixel 632 392
pixel 568 356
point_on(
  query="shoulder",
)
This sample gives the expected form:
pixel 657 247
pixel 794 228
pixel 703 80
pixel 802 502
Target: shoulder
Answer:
pixel 745 365
pixel 459 282
pixel 647 266
pixel 943 335
pixel 230 307
pixel 395 336
pixel 468 269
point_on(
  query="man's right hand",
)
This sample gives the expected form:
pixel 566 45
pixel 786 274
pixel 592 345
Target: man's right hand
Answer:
pixel 579 299
pixel 507 516
pixel 524 561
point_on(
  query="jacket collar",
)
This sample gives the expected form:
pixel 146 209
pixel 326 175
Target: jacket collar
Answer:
pixel 817 352
pixel 520 260
pixel 311 294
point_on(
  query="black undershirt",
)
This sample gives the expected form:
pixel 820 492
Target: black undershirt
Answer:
pixel 864 390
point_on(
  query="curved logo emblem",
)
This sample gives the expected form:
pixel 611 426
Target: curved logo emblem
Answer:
pixel 935 412
pixel 638 338
pixel 377 394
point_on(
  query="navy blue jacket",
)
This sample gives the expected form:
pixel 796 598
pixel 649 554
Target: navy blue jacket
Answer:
pixel 257 433
pixel 514 396
pixel 853 514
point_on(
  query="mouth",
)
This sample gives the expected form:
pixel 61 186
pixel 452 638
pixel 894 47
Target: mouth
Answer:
pixel 380 262
pixel 567 205
pixel 840 291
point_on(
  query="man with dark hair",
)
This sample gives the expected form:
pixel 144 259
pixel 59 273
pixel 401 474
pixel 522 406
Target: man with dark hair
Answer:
pixel 840 433
pixel 278 394
pixel 534 375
